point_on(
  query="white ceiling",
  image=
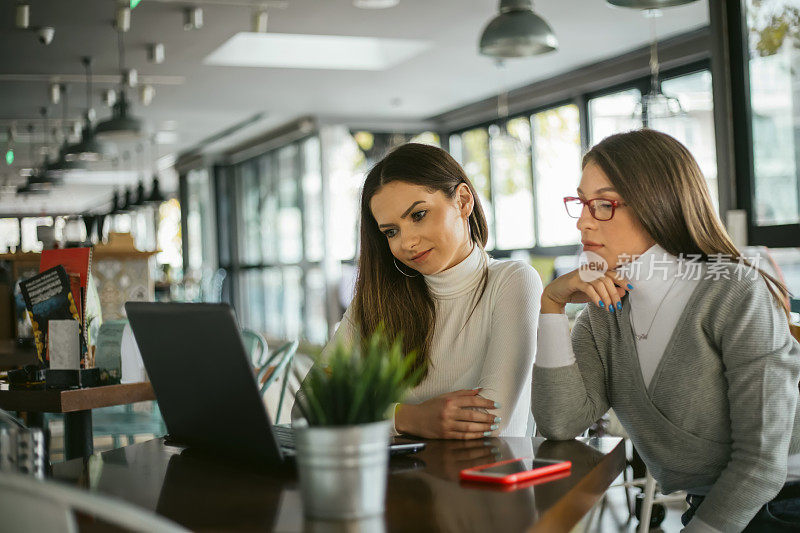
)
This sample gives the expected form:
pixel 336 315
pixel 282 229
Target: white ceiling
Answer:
pixel 212 98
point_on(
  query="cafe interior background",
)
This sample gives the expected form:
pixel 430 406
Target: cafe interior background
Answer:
pixel 224 142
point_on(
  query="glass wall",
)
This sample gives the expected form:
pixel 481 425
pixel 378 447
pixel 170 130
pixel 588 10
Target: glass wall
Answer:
pixel 693 125
pixel 557 163
pixel 774 50
pixel 279 242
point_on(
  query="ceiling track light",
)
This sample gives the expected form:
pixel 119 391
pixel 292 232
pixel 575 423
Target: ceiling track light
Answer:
pixel 110 97
pixel 122 20
pixel 131 78
pixel 155 53
pixel 22 20
pixel 146 94
pixel 54 91
pixel 260 19
pixel 192 18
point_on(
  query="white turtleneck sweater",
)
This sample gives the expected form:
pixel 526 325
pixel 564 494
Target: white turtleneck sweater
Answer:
pixel 494 351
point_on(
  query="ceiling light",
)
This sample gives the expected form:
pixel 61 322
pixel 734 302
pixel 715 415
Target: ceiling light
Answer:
pixel 121 126
pixel 122 21
pixel 649 4
pixel 192 18
pixel 155 198
pixel 22 21
pixel 55 93
pixel 517 32
pixel 285 50
pixel 88 148
pixel 146 94
pixel 63 164
pixel 140 195
pixel 131 78
pixel 655 104
pixel 375 4
pixel 155 53
pixel 260 21
pixel 109 97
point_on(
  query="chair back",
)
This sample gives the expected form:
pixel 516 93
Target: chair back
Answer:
pixel 256 346
pixel 278 366
pixel 28 504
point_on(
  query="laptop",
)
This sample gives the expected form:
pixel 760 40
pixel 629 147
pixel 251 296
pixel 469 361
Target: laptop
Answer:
pixel 205 385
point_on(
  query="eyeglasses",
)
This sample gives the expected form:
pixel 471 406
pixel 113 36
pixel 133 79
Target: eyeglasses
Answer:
pixel 601 209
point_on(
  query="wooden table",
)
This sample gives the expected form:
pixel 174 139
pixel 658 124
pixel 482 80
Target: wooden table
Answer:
pixel 423 493
pixel 77 405
pixel 14 356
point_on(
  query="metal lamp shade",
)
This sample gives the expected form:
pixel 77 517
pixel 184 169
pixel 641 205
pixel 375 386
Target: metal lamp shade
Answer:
pixel 517 32
pixel 121 126
pixel 649 4
pixel 88 149
pixel 63 164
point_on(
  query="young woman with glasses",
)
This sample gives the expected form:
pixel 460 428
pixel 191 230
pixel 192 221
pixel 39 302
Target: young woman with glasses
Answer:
pixel 685 339
pixel 424 274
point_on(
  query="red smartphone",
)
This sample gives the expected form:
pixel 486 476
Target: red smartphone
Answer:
pixel 515 470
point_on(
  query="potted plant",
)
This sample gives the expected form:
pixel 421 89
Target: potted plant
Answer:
pixel 342 445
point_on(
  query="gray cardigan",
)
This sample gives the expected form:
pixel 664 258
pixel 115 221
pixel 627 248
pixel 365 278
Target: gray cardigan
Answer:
pixel 721 409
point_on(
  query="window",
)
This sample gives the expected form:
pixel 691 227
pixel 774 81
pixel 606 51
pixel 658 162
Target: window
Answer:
pixel 278 217
pixel 201 257
pixel 614 113
pixel 312 200
pixel 695 128
pixel 249 203
pixel 471 149
pixel 774 54
pixel 557 163
pixel 512 184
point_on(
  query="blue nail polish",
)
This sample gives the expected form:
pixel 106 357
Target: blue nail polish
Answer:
pixel 619 306
pixel 496 405
pixel 494 426
pixel 630 286
pixel 611 308
pixel 487 433
pixel 602 304
pixel 497 419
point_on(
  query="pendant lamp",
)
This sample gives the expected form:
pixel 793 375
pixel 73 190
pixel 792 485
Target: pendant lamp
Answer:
pixel 121 126
pixel 62 165
pixel 655 104
pixel 155 198
pixel 517 32
pixel 88 148
pixel 649 4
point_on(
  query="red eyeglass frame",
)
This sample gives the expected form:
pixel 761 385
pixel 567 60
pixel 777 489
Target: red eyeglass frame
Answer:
pixel 614 205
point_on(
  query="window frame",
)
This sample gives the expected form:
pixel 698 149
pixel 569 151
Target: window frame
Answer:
pixel 738 43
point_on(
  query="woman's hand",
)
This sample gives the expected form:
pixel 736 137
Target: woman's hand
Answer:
pixel 605 290
pixel 448 416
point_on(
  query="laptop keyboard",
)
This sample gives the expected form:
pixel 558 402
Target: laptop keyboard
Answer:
pixel 284 435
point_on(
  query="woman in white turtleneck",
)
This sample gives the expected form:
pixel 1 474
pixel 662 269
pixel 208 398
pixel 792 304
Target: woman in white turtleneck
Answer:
pixel 423 273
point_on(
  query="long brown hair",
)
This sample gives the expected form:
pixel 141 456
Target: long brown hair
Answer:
pixel 383 294
pixel 661 182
